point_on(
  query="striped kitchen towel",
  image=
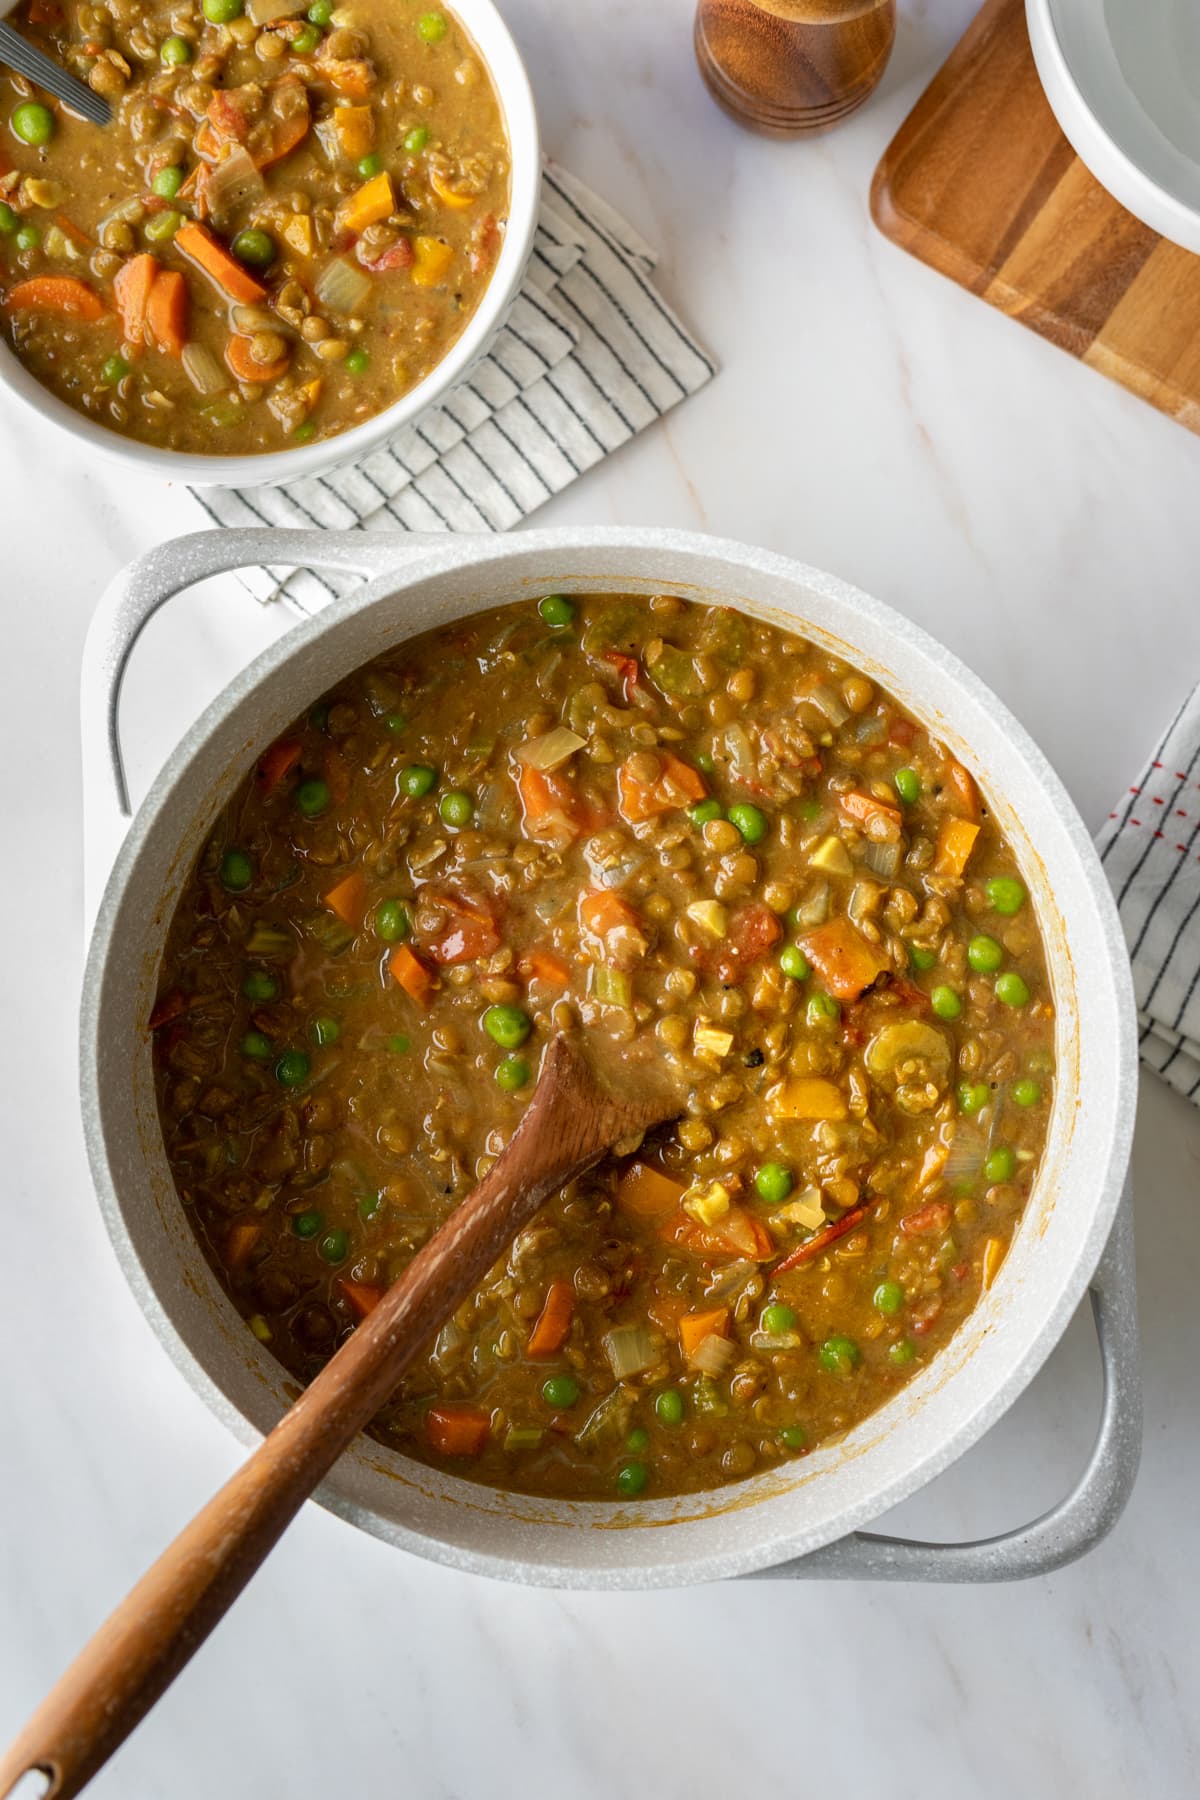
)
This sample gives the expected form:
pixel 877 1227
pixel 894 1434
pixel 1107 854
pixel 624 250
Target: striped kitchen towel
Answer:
pixel 1150 847
pixel 589 356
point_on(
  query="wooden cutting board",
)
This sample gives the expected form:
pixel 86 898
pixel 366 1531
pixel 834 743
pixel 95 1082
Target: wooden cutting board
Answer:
pixel 980 183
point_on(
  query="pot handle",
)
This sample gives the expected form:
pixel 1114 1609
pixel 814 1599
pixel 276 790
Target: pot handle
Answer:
pixel 1070 1529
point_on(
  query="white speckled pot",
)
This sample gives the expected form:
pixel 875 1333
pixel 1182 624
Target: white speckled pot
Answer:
pixel 790 1510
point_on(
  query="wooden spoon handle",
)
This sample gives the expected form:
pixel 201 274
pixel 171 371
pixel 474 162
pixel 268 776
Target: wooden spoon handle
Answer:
pixel 155 1630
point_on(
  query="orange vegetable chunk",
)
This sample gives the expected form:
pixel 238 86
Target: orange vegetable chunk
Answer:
pixel 167 312
pixel 418 982
pixel 64 294
pixel 846 961
pixel 646 1193
pixel 695 1327
pixel 457 1430
pixel 349 898
pixel 554 1321
pixel 955 842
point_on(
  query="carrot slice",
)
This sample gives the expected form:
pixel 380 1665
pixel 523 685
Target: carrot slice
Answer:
pixel 239 1244
pixel 549 804
pixel 200 246
pixel 64 294
pixel 286 134
pixel 457 1430
pixel 695 1327
pixel 243 366
pixel 132 287
pixel 349 899
pixel 167 313
pixel 846 962
pixel 955 842
pixel 545 965
pixel 417 981
pixel 820 1241
pixel 603 911
pixel 554 1321
pixel 961 783
pixel 646 1193
pixel 276 764
pixel 360 1296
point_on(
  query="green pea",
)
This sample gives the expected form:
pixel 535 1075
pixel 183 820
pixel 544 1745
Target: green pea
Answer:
pixel 9 220
pixel 312 797
pixel 888 1298
pixel 222 12
pixel 320 13
pixel 902 1352
pixel 334 1247
pixel 792 1437
pixel 507 1026
pixel 305 40
pixel 513 1074
pixel 560 1392
pixel 638 1440
pixel 398 1044
pixel 922 960
pixel 28 238
pixel 556 610
pixel 908 785
pixel 669 1406
pixel 257 1047
pixel 1026 1093
pixel 1011 989
pixel 260 985
pixel 773 1183
pixel 33 123
pixel 749 821
pixel 175 51
pixel 416 780
pixel 292 1068
pixel 431 27
pixel 1000 1165
pixel 325 1030
pixel 392 921
pixel 705 763
pixel 778 1318
pixel 793 962
pixel 161 227
pixel 810 809
pixel 1005 895
pixel 985 955
pixel 356 362
pixel 414 142
pixel 369 1205
pixel 945 1002
pixel 307 1224
pixel 704 811
pixel 973 1096
pixel 631 1479
pixel 456 808
pixel 304 434
pixel 369 165
pixel 255 248
pixel 395 723
pixel 113 369
pixel 237 871
pixel 839 1355
pixel 822 1009
pixel 168 181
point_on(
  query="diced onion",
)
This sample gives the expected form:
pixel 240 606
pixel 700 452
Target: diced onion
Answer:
pixel 966 1156
pixel 234 181
pixel 203 370
pixel 342 287
pixel 713 1354
pixel 450 1340
pixel 882 859
pixel 814 908
pixel 551 749
pixel 776 1340
pixel 630 1350
pixel 826 701
pixel 741 753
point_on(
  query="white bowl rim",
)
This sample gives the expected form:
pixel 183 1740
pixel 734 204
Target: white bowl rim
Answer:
pixel 485 25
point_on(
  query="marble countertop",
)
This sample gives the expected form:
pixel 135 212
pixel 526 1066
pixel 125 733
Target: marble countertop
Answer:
pixel 871 419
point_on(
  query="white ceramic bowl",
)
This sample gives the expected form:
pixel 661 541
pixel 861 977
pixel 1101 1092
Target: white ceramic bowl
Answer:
pixel 1123 77
pixel 780 1513
pixel 498 50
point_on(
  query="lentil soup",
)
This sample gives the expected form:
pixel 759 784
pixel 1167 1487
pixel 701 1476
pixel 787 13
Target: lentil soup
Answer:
pixel 701 842
pixel 288 224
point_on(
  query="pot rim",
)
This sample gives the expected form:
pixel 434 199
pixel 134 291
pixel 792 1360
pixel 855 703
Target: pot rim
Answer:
pixel 566 549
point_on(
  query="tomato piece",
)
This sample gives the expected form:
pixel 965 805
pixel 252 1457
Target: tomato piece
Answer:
pixel 752 932
pixel 469 931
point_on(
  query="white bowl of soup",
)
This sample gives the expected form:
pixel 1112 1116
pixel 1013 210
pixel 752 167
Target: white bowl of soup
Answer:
pixel 303 226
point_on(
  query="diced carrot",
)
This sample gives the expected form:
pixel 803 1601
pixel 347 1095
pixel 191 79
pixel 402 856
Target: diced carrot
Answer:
pixel 349 898
pixel 167 314
pixel 287 134
pixel 199 245
pixel 554 1321
pixel 355 127
pixel 846 962
pixel 545 965
pixel 240 1242
pixel 432 261
pixel 695 1327
pixel 243 366
pixel 934 1216
pixel 646 1193
pixel 603 911
pixel 821 1240
pixel 351 76
pixel 955 842
pixel 677 785
pixel 469 931
pixel 457 1430
pixel 808 1097
pixel 64 294
pixel 865 808
pixel 360 1296
pixel 367 205
pixel 276 764
pixel 549 804
pixel 133 284
pixel 450 196
pixel 417 981
pixel 961 784
pixel 67 224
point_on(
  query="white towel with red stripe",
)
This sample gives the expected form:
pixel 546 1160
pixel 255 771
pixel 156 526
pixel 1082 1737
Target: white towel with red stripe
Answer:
pixel 1150 847
pixel 589 356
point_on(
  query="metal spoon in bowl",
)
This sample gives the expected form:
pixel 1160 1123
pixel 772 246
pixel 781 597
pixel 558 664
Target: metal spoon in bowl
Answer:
pixel 38 67
pixel 570 1124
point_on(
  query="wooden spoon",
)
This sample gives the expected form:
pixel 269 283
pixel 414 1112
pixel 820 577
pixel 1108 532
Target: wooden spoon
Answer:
pixel 570 1124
